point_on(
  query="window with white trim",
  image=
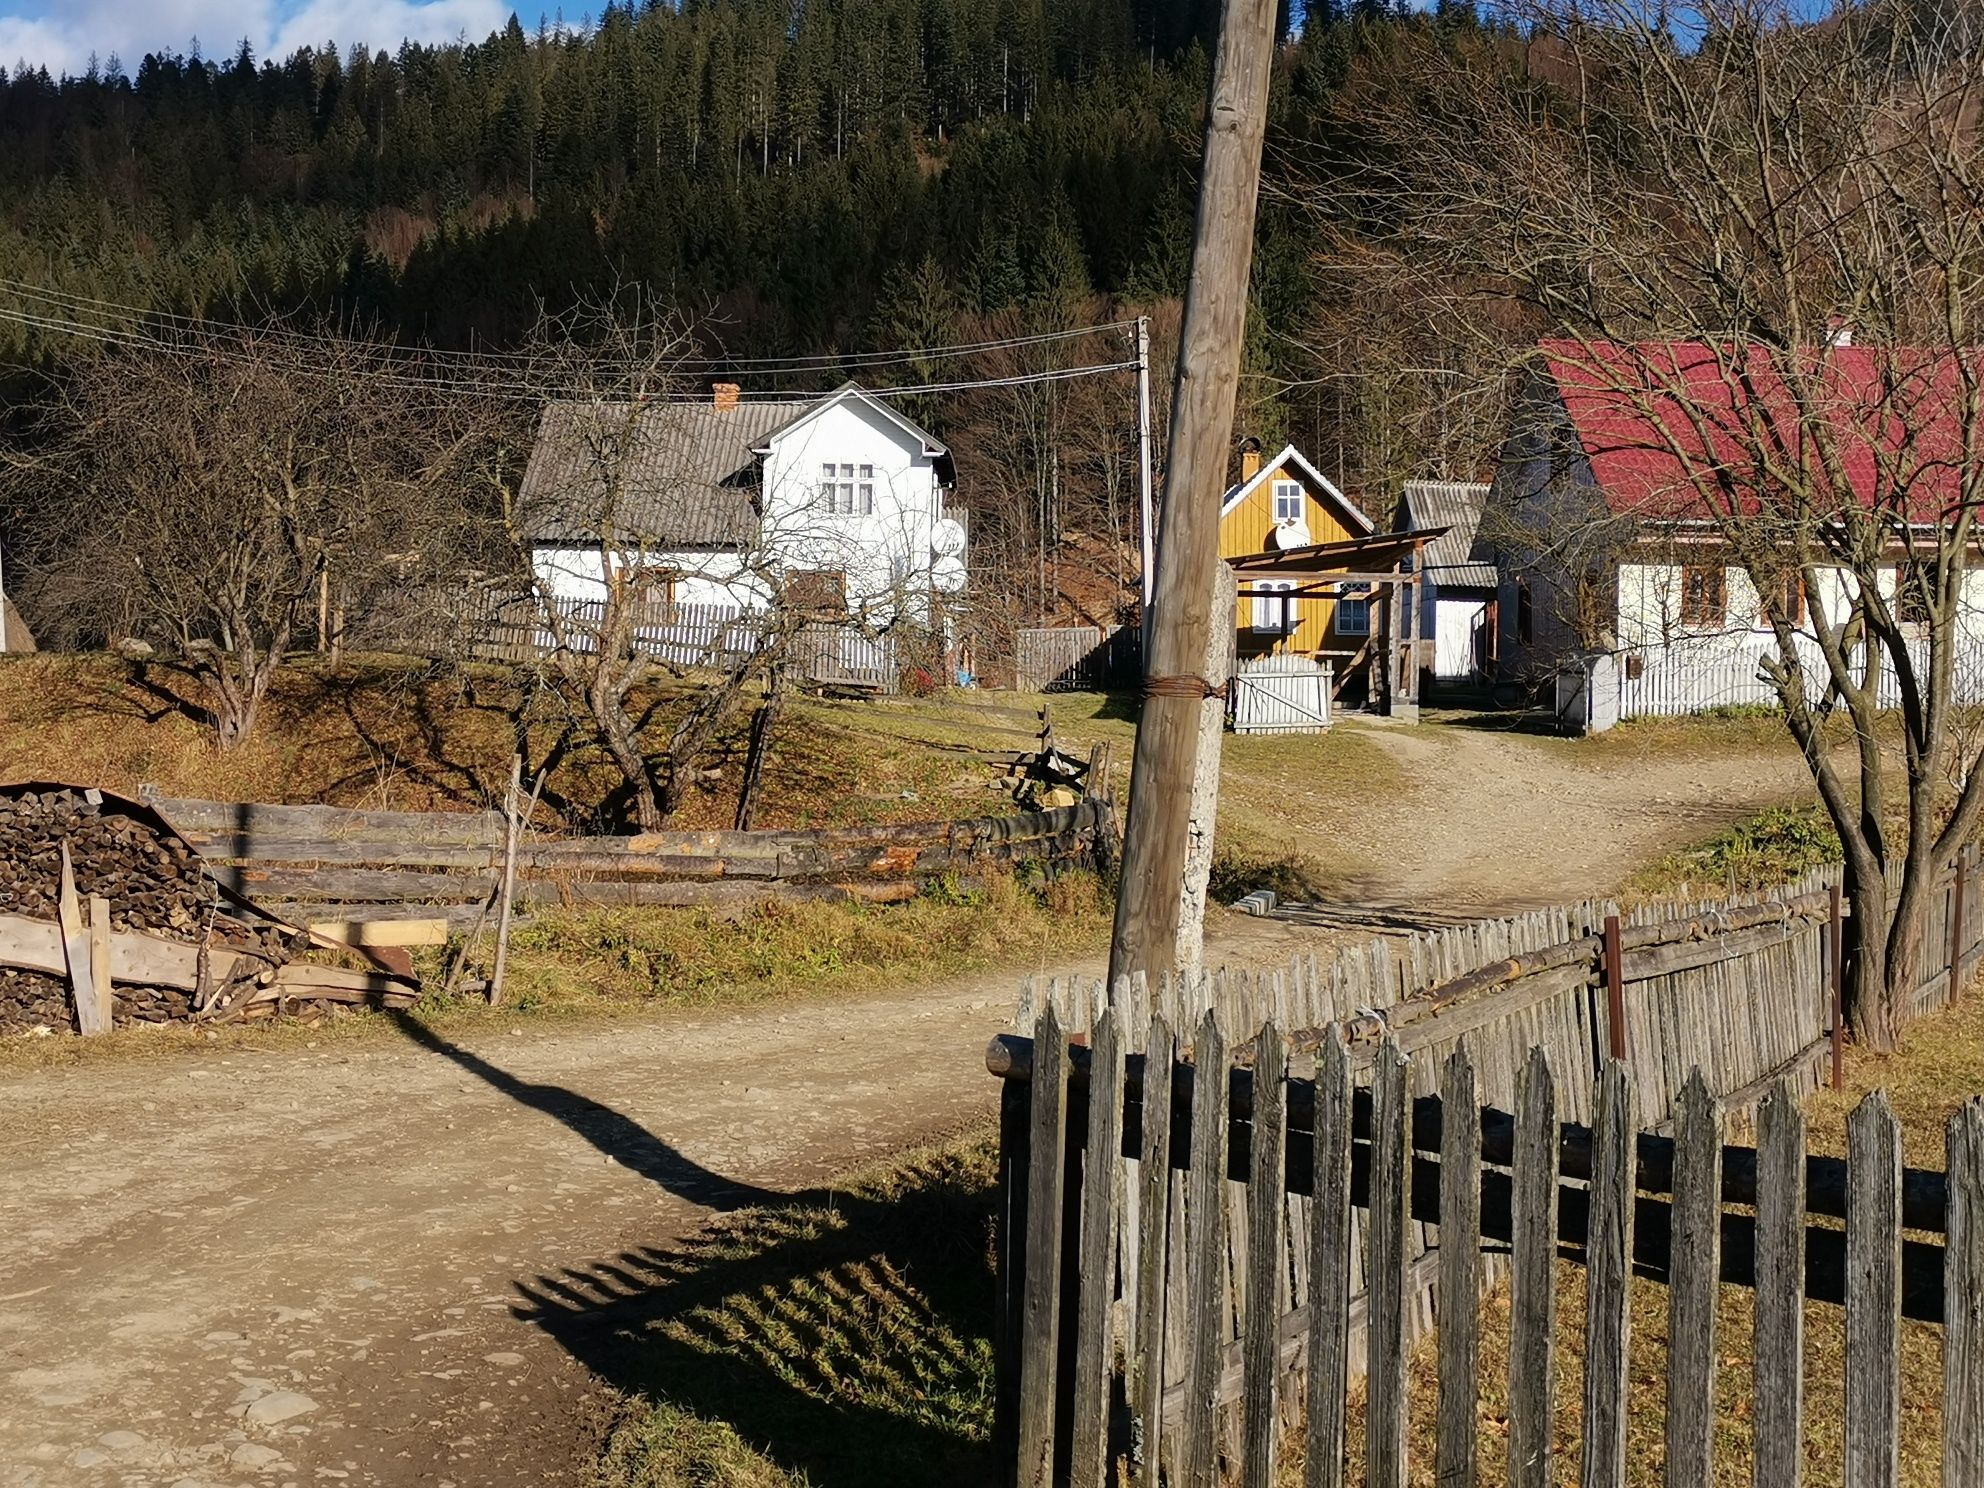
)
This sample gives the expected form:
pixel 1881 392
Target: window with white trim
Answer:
pixel 1274 606
pixel 842 494
pixel 1287 501
pixel 1353 610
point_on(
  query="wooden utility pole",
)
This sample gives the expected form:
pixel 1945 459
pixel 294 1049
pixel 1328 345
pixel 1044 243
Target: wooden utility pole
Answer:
pixel 1155 840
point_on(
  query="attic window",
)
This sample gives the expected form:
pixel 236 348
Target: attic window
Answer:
pixel 1287 501
pixel 842 495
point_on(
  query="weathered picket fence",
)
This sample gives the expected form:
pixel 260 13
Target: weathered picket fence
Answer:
pixel 1740 993
pixel 1122 1174
pixel 1075 657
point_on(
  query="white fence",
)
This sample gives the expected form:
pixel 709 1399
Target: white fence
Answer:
pixel 1668 681
pixel 1281 695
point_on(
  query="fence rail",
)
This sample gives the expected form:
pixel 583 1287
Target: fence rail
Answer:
pixel 480 623
pixel 1737 995
pixel 361 864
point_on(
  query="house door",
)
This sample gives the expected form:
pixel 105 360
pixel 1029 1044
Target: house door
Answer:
pixel 1458 624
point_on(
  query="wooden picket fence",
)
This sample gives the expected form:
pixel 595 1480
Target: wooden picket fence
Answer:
pixel 1083 1335
pixel 1739 995
pixel 1075 657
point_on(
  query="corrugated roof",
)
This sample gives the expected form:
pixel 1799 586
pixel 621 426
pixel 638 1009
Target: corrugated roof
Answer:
pixel 1455 557
pixel 684 474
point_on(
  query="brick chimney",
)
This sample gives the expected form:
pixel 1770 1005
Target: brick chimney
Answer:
pixel 1250 459
pixel 723 396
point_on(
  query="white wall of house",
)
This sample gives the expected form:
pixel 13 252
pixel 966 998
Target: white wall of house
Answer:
pixel 882 546
pixel 1455 623
pixel 1650 609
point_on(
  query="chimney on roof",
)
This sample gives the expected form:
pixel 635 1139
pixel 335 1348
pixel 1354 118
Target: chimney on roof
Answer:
pixel 723 396
pixel 1250 459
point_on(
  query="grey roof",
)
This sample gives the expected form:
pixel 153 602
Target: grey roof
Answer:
pixel 1456 557
pixel 685 472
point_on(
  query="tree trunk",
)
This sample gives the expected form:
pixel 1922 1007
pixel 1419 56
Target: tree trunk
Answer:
pixel 1872 992
pixel 762 724
pixel 616 732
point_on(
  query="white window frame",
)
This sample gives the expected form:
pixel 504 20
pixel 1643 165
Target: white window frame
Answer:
pixel 841 495
pixel 1274 606
pixel 1278 490
pixel 864 490
pixel 1349 603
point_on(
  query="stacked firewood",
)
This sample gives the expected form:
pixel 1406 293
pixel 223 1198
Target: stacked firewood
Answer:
pixel 152 880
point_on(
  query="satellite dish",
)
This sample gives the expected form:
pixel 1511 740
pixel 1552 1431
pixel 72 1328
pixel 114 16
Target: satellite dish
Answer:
pixel 1292 535
pixel 947 537
pixel 947 575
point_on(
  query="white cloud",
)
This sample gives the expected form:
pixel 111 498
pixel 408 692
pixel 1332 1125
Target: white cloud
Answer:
pixel 62 34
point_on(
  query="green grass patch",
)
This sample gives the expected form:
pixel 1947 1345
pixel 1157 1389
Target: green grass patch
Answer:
pixel 1770 848
pixel 838 1340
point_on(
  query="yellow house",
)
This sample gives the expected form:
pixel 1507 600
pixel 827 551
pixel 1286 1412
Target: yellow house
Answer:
pixel 1285 503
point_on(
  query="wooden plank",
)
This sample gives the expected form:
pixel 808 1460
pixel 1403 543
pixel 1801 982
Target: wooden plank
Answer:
pixel 1457 1430
pixel 1963 1299
pixel 1265 1183
pixel 1696 1245
pixel 1873 1295
pixel 1040 1311
pixel 100 969
pixel 430 931
pixel 1009 1325
pixel 1094 1341
pixel 1205 1285
pixel 1778 1408
pixel 1533 1283
pixel 76 951
pixel 1329 1268
pixel 1608 1270
pixel 1154 1210
pixel 1385 1261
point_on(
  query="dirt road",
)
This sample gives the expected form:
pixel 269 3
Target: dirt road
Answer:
pixel 304 1266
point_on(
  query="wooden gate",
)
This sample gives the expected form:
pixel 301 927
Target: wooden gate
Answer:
pixel 1281 695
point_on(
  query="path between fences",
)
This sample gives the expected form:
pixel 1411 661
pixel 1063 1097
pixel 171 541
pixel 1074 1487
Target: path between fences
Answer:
pixel 268 1266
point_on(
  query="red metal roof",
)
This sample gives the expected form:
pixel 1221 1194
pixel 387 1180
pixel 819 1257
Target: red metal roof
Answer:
pixel 1671 427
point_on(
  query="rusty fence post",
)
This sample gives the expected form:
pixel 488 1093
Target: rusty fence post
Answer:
pixel 1835 946
pixel 1615 989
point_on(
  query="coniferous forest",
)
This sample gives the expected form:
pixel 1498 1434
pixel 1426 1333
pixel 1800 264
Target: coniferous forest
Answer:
pixel 804 177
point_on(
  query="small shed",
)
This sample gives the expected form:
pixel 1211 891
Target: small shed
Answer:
pixel 1458 611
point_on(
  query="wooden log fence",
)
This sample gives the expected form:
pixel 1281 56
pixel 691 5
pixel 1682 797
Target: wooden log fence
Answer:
pixel 1717 1016
pixel 1522 1182
pixel 353 864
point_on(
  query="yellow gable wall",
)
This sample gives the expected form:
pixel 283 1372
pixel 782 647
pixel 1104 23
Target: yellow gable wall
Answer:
pixel 1245 530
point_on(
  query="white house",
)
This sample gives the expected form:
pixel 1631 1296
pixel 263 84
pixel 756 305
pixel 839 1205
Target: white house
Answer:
pixel 721 501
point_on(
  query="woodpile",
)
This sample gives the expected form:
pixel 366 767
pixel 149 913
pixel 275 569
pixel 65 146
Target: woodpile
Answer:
pixel 161 941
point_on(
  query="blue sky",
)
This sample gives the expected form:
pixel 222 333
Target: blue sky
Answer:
pixel 61 34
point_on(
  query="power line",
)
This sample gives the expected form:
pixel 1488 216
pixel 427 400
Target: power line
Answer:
pixel 64 302
pixel 520 389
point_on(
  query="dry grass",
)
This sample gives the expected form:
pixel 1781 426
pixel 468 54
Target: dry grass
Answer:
pixel 389 733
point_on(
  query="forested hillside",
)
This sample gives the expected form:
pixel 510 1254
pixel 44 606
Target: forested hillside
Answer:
pixel 802 178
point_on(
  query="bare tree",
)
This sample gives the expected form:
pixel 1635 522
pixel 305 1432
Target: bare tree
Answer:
pixel 197 498
pixel 1707 224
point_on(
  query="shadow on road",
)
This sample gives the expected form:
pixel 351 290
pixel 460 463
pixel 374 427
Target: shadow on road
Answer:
pixel 845 1336
pixel 618 1136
